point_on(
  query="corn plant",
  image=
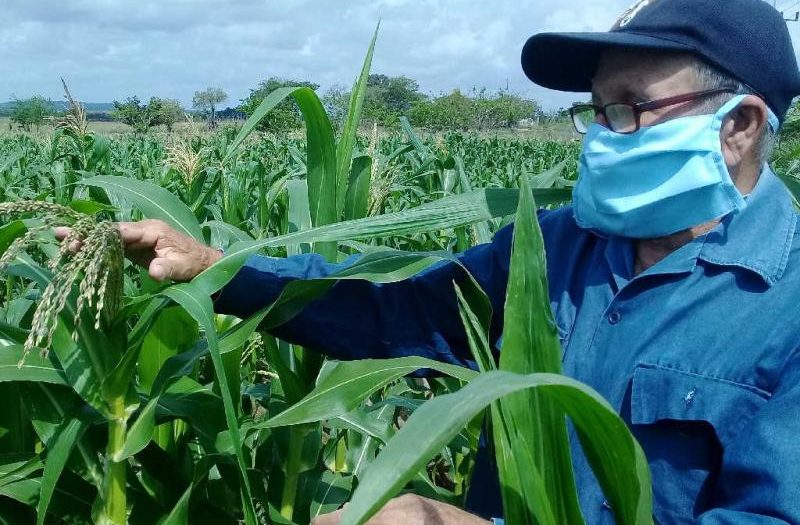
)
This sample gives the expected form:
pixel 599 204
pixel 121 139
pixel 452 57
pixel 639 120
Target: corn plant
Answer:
pixel 527 411
pixel 189 406
pixel 90 278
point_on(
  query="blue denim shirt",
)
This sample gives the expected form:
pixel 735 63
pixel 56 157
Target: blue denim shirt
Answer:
pixel 699 353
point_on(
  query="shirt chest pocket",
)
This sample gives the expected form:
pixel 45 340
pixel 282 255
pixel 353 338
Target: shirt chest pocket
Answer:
pixel 684 421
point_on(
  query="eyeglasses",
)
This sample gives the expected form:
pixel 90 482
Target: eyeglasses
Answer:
pixel 626 118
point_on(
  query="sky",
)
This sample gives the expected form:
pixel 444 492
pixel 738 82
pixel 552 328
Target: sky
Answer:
pixel 111 49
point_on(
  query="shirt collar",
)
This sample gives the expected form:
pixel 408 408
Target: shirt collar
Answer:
pixel 759 237
pixel 619 254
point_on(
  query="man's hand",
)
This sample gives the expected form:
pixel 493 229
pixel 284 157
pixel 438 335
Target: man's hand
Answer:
pixel 412 510
pixel 164 251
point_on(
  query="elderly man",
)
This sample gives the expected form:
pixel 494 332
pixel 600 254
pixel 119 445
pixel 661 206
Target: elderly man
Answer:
pixel 674 277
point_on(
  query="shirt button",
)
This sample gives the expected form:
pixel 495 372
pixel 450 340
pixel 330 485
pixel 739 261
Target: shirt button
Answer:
pixel 614 317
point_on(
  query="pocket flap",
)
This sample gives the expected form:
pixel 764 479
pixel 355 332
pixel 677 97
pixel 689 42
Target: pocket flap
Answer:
pixel 662 393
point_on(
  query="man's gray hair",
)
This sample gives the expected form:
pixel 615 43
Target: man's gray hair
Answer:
pixel 711 77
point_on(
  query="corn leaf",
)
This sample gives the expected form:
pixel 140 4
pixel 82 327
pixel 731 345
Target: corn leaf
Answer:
pixel 350 382
pixel 57 457
pixel 531 345
pixel 201 309
pixel 439 420
pixel 320 151
pixel 357 199
pixel 34 368
pixel 323 186
pixel 182 364
pixel 9 232
pixel 344 151
pixel 179 515
pixel 332 492
pixel 476 311
pixel 153 201
pixel 298 212
pixel 450 212
pixel 48 407
pixel 522 486
pixel 140 433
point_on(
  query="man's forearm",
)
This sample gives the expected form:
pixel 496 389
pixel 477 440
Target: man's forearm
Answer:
pixel 358 319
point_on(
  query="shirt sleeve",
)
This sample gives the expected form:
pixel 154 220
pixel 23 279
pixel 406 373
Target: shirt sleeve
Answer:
pixel 358 319
pixel 759 483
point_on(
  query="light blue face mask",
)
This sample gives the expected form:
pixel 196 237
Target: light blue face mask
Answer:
pixel 657 181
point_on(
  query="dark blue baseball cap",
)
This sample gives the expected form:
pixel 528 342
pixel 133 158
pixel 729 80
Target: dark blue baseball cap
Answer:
pixel 747 39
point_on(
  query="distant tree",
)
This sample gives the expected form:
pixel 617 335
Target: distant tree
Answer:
pixel 448 112
pixel 32 112
pixel 388 98
pixel 133 113
pixel 207 101
pixel 167 111
pixel 141 117
pixel 503 110
pixel 478 111
pixel 286 115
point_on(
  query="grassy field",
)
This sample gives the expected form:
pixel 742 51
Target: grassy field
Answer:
pixel 178 419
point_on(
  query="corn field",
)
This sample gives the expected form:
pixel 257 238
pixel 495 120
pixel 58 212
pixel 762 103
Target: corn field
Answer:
pixel 126 400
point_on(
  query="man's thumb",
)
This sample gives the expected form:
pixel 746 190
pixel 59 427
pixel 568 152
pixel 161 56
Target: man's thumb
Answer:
pixel 160 269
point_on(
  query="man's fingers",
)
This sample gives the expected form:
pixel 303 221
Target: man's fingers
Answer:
pixel 132 233
pixel 62 232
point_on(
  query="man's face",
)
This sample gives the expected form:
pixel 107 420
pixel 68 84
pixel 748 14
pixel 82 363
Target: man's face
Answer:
pixel 639 76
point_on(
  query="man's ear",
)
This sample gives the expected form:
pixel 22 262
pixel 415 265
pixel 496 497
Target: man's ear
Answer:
pixel 742 131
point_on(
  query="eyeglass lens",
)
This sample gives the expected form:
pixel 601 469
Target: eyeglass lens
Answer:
pixel 582 118
pixel 620 118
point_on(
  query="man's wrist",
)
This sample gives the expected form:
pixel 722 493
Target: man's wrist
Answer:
pixel 212 255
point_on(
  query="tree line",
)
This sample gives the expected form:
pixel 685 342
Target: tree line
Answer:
pixel 387 99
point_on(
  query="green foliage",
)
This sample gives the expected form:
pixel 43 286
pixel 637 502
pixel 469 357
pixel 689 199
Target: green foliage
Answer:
pixel 285 116
pixel 336 101
pixel 389 97
pixel 133 113
pixel 528 414
pixel 167 112
pixel 386 100
pixel 180 407
pixel 31 112
pixel 457 111
pixel 182 461
pixel 141 117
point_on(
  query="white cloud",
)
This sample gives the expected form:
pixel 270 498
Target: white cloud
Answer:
pixel 111 49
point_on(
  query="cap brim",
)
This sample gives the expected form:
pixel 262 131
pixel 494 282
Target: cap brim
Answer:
pixel 568 61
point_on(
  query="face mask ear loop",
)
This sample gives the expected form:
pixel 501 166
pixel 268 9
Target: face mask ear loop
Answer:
pixel 772 119
pixel 728 108
pixel 774 123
